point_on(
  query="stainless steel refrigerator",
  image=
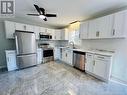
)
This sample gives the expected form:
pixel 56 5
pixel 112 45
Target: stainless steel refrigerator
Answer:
pixel 26 53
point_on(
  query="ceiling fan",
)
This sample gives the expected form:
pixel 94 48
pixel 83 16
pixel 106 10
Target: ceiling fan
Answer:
pixel 41 13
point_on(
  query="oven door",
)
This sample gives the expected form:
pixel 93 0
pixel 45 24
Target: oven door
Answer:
pixel 47 53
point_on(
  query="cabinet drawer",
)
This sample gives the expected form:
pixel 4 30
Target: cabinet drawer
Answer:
pixel 102 57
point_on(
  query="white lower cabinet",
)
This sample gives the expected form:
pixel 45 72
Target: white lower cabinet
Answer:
pixel 56 53
pixel 39 56
pixel 11 60
pixel 67 56
pixel 99 66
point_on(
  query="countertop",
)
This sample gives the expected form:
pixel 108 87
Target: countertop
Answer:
pixel 106 53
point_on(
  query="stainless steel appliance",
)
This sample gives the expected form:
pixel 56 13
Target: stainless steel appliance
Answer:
pixel 79 60
pixel 45 36
pixel 48 54
pixel 26 53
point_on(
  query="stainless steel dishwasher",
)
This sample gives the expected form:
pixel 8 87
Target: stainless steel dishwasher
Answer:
pixel 79 60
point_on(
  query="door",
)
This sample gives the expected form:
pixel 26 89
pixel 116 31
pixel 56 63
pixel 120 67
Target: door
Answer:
pixel 89 62
pixel 25 43
pixel 119 24
pixel 10 29
pixel 84 30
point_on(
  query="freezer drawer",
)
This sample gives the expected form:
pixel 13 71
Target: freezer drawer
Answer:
pixel 26 60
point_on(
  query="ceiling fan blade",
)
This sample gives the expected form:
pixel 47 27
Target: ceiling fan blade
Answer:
pixel 38 9
pixel 45 19
pixel 33 14
pixel 50 15
pixel 42 10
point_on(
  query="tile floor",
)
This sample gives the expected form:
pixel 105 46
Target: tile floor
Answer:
pixel 54 78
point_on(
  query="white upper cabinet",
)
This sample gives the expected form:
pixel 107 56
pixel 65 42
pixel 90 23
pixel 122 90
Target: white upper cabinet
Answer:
pixel 57 35
pixel 101 27
pixel 42 29
pixel 24 27
pixel 66 34
pixel 37 31
pixel 83 30
pixel 105 26
pixel 9 29
pixel 120 24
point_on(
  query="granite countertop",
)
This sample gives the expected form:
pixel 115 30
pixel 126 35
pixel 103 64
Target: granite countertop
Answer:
pixel 101 52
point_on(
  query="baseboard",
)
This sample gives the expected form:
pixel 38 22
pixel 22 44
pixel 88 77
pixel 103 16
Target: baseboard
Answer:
pixel 117 80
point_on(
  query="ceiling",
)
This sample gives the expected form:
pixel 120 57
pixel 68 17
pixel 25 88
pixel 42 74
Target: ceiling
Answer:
pixel 67 10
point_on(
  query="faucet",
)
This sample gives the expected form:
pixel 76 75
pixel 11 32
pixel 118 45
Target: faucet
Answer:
pixel 72 44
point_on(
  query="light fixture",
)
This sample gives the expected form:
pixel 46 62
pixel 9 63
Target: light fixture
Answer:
pixel 42 16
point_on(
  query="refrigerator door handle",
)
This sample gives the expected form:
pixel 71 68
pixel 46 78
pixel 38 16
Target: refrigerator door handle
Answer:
pixel 17 47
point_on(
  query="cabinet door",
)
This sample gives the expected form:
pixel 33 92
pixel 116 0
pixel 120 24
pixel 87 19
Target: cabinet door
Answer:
pixel 70 57
pixel 84 30
pixel 57 35
pixel 120 21
pixel 11 60
pixel 89 62
pixel 20 26
pixel 39 56
pixel 10 29
pixel 64 55
pixel 29 28
pixel 66 34
pixel 102 66
pixel 105 26
pixel 93 29
pixel 56 53
pixel 37 31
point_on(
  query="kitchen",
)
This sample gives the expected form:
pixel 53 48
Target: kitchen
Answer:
pixel 87 56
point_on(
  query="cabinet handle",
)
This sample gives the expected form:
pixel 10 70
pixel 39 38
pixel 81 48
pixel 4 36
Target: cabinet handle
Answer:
pixel 94 63
pixel 8 59
pixel 97 34
pixel 101 57
pixel 113 32
pixel 66 54
pixel 24 27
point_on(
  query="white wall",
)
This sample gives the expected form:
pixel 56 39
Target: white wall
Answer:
pixel 119 68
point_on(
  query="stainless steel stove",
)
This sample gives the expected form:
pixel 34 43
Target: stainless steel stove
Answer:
pixel 48 54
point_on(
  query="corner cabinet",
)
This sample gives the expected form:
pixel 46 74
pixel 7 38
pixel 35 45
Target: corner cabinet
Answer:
pixel 99 66
pixel 9 29
pixel 11 60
